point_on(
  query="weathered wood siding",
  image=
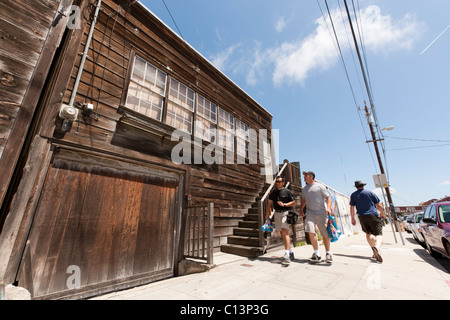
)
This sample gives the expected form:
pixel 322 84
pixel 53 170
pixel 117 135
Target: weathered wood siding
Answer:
pixel 121 29
pixel 100 223
pixel 118 220
pixel 24 62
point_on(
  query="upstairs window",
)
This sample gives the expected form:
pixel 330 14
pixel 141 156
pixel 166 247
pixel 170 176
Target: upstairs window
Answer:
pixel 147 89
pixel 180 107
pixel 154 94
pixel 242 138
pixel 206 120
pixel 225 130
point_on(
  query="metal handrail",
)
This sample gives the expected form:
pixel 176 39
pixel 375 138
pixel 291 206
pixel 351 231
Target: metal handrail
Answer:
pixel 273 182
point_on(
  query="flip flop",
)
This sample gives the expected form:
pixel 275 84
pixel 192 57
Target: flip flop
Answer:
pixel 377 254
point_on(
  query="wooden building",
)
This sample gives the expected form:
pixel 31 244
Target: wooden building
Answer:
pixel 91 197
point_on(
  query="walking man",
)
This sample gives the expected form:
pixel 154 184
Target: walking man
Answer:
pixel 366 203
pixel 318 206
pixel 282 200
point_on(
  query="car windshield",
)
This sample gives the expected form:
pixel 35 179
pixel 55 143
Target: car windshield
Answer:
pixel 444 213
pixel 418 217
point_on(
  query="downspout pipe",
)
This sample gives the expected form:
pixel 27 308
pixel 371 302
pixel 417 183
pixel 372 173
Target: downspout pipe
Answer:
pixel 86 49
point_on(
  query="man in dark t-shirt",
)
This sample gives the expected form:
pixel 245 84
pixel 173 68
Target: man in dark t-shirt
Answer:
pixel 282 200
pixel 366 204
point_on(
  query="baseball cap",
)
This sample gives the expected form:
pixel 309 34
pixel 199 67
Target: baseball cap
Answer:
pixel 310 173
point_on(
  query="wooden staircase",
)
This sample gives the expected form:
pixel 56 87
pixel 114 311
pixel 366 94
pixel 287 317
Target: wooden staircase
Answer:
pixel 245 238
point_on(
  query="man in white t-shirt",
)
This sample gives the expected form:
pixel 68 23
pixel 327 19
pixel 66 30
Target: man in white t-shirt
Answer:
pixel 318 206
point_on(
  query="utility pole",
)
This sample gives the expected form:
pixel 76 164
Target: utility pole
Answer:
pixel 380 163
pixel 372 131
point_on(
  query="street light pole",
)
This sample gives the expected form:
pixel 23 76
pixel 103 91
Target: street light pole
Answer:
pixel 380 163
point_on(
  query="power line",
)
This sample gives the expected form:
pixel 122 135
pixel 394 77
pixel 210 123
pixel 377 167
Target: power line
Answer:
pixel 172 18
pixel 413 139
pixel 358 52
pixel 341 58
pixel 423 147
pixel 369 93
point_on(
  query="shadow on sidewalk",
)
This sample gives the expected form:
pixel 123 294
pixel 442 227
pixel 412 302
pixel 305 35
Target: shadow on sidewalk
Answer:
pixel 353 256
pixel 277 260
pixel 441 263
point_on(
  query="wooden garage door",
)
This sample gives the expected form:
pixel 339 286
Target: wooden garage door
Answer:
pixel 100 225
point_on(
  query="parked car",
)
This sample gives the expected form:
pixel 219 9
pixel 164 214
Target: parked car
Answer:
pixel 415 227
pixel 406 220
pixel 435 228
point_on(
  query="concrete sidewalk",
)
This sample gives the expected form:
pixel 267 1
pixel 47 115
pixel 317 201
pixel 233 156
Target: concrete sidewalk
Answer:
pixel 408 272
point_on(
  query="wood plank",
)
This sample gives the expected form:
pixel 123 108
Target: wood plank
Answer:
pixel 48 261
pixel 128 235
pixel 63 257
pixel 22 45
pixel 42 65
pixel 40 241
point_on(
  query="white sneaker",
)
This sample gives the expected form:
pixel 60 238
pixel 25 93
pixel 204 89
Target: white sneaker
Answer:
pixel 286 259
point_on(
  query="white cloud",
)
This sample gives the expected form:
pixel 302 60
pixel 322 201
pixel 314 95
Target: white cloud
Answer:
pixel 256 66
pixel 382 33
pixel 280 24
pixel 220 60
pixel 445 183
pixel 379 192
pixel 294 61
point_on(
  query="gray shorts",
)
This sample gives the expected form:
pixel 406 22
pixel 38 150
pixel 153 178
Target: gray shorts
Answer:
pixel 281 220
pixel 320 220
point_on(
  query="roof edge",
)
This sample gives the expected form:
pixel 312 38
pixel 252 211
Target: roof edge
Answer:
pixel 203 57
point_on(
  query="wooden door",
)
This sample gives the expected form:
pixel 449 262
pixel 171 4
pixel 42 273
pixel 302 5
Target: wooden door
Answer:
pixel 100 225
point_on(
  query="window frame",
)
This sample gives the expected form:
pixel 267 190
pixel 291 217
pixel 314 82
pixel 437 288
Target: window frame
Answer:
pixel 223 124
pixel 205 120
pixel 129 80
pixel 224 132
pixel 181 106
pixel 245 139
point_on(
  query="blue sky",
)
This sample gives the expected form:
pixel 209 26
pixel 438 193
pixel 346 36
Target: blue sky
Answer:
pixel 283 55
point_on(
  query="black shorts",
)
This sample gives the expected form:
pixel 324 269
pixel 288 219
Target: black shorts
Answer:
pixel 371 224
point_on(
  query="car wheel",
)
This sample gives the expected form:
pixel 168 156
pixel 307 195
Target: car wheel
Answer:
pixel 447 247
pixel 423 242
pixel 430 250
pixel 415 238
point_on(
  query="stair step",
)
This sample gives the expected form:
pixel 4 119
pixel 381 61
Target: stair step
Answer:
pixel 243 251
pixel 246 232
pixel 244 241
pixel 251 217
pixel 249 224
